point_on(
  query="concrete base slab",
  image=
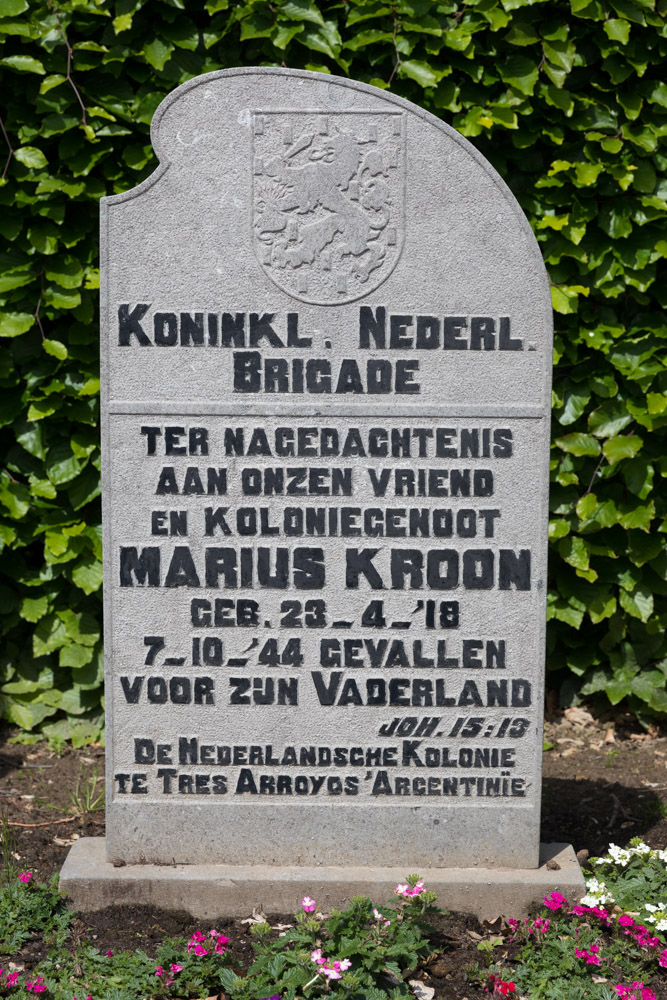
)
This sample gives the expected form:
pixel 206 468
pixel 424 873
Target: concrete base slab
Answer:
pixel 210 891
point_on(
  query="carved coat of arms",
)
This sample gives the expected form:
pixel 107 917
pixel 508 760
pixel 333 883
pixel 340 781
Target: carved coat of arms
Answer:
pixel 328 200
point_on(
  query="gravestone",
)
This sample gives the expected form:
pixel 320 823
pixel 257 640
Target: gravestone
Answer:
pixel 326 357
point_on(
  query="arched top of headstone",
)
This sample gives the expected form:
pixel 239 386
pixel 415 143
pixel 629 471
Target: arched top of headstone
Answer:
pixel 313 190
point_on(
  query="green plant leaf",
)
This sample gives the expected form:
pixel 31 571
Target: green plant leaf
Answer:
pixel 579 444
pixel 24 64
pixel 87 575
pixel 615 449
pixel 14 324
pixel 30 156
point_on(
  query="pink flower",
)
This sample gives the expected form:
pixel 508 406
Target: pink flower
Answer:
pixel 598 912
pixel 663 959
pixel 25 877
pixel 628 992
pixel 158 970
pixel 176 968
pixel 626 921
pixel 37 986
pixel 408 892
pixel 555 901
pixel 109 954
pixel 327 967
pixel 380 918
pixel 194 944
pixel 308 904
pixel 12 978
pixel 591 955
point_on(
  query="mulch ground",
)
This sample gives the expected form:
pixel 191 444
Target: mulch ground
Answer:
pixel 605 781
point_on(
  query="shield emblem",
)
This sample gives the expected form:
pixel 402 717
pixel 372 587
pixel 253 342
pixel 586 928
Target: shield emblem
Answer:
pixel 328 200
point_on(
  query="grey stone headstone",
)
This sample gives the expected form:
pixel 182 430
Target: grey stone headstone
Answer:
pixel 326 363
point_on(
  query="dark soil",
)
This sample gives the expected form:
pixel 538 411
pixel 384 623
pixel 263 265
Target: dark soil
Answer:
pixel 605 781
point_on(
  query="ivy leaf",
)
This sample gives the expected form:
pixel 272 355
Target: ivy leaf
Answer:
pixel 11 8
pixel 61 464
pixel 158 53
pixel 30 156
pixel 55 348
pixel 638 602
pixel 87 575
pixel 638 476
pixel 74 655
pixel 14 324
pixel 34 608
pixel 301 10
pixel 24 64
pixel 579 444
pixel 617 29
pixel 615 449
pixel 520 72
pixel 49 635
pixel 576 401
pixel 122 23
pixel 637 515
pixel 420 72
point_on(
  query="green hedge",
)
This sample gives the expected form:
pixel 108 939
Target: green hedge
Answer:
pixel 564 98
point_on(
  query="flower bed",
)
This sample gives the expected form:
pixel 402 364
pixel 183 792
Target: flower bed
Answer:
pixel 608 945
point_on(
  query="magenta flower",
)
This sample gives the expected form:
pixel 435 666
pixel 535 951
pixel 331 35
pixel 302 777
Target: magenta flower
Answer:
pixel 408 892
pixel 591 955
pixel 221 944
pixel 195 944
pixel 109 954
pixel 635 991
pixel 626 921
pixel 12 977
pixel 308 904
pixel 555 901
pixel 37 986
pixel 25 877
pixel 176 968
pixel 663 959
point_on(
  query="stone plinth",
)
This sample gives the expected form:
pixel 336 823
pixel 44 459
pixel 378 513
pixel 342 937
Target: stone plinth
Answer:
pixel 211 891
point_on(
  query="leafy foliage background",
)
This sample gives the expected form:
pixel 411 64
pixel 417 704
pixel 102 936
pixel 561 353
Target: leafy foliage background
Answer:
pixel 569 103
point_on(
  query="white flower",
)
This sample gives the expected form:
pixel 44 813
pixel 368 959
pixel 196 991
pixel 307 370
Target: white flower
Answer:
pixel 597 894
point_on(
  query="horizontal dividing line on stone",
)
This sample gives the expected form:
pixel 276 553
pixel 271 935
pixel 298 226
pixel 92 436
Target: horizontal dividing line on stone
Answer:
pixel 328 111
pixel 167 408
